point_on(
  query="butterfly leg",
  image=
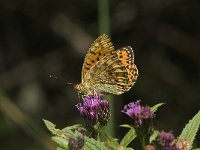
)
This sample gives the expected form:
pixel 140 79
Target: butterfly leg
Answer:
pixel 81 96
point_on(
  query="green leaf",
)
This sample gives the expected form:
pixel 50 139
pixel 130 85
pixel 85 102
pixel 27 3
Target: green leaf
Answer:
pixel 126 126
pixel 49 124
pixel 107 138
pixel 155 107
pixel 74 127
pixel 109 141
pixel 91 143
pixel 129 136
pixel 63 143
pixel 71 130
pixel 196 149
pixel 153 136
pixel 128 148
pixel 68 131
pixel 190 130
pixel 51 127
pixel 60 148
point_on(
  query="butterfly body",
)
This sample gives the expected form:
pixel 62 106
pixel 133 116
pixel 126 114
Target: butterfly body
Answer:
pixel 106 70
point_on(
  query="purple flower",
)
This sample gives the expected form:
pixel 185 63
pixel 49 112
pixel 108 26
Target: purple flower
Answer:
pixel 138 113
pixel 167 141
pixel 94 110
pixel 142 120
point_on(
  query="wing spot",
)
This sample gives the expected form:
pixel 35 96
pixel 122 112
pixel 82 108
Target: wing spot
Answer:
pixel 88 64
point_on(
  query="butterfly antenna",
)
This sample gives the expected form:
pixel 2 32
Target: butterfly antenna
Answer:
pixel 55 77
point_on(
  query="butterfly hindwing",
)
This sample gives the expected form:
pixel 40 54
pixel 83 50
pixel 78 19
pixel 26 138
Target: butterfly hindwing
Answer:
pixel 109 75
pixel 126 56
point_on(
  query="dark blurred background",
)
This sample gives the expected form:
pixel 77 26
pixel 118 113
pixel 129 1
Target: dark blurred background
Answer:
pixel 43 37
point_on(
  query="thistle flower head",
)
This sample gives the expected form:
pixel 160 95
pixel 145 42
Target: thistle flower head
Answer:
pixel 149 147
pixel 94 110
pixel 88 109
pixel 167 141
pixel 182 144
pixel 76 143
pixel 103 112
pixel 138 113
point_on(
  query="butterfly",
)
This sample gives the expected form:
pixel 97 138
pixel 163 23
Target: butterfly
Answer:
pixel 106 70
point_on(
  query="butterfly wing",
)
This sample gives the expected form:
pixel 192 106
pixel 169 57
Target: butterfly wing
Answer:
pixel 108 75
pixel 115 73
pixel 126 56
pixel 98 49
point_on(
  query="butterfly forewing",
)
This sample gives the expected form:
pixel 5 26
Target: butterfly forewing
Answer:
pixel 98 49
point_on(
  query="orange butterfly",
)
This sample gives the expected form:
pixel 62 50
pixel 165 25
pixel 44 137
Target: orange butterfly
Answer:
pixel 106 70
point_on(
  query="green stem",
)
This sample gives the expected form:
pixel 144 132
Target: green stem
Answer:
pixel 142 137
pixel 104 20
pixel 104 27
pixel 143 141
